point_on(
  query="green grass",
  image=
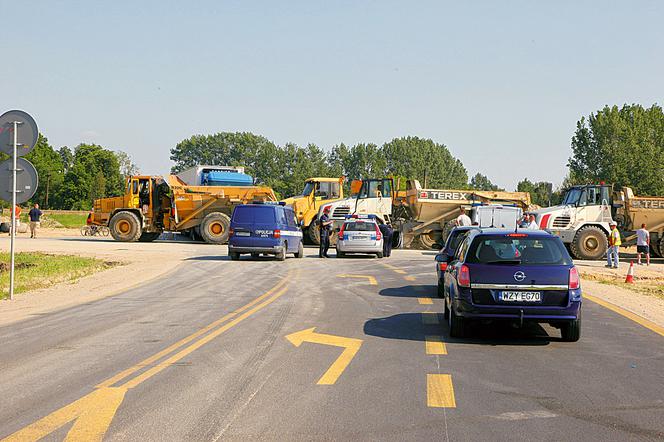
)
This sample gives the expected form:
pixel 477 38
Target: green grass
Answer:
pixel 36 270
pixel 67 220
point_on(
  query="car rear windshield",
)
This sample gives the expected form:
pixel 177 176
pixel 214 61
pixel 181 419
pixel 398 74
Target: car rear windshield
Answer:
pixel 360 227
pixel 502 249
pixel 254 215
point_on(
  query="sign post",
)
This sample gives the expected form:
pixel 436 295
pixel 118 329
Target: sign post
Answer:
pixel 21 129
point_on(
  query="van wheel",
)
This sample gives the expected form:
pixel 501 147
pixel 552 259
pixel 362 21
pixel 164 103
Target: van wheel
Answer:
pixel 571 331
pixel 281 256
pixel 125 227
pixel 300 251
pixel 457 324
pixel 214 228
pixel 234 256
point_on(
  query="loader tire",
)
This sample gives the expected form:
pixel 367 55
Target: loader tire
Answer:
pixel 148 236
pixel 214 228
pixel 125 227
pixel 657 247
pixel 427 240
pixel 314 234
pixel 589 243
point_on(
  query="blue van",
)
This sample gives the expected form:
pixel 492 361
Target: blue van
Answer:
pixel 268 228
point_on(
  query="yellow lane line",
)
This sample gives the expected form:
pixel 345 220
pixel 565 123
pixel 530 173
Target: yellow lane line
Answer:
pixel 425 301
pixel 435 345
pixel 409 278
pixel 440 391
pixel 430 318
pixel 371 279
pixel 188 339
pixel 93 413
pixel 629 315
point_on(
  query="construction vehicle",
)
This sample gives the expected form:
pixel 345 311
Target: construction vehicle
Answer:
pixel 151 205
pixel 216 176
pixel 421 217
pixel 582 219
pixel 316 193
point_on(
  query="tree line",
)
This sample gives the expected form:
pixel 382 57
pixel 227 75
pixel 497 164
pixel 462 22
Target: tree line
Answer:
pixel 623 146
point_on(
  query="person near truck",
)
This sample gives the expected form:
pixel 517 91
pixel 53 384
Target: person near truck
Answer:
pixel 387 232
pixel 462 219
pixel 642 244
pixel 325 226
pixel 17 219
pixel 532 223
pixel 35 216
pixel 612 257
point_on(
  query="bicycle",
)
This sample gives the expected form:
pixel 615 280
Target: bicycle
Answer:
pixel 95 230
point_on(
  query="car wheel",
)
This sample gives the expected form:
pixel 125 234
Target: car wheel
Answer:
pixel 234 256
pixel 457 324
pixel 441 290
pixel 446 311
pixel 281 256
pixel 300 251
pixel 340 254
pixel 571 331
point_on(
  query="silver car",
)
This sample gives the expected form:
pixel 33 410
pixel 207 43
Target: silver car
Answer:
pixel 360 235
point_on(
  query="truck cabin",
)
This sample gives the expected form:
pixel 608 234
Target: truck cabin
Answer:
pixel 589 195
pixel 322 190
pixel 376 188
pixel 150 195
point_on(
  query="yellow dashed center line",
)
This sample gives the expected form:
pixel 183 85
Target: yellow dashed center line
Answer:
pixel 435 345
pixel 440 391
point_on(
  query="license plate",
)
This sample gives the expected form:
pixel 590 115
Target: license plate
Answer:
pixel 242 234
pixel 520 296
pixel 360 238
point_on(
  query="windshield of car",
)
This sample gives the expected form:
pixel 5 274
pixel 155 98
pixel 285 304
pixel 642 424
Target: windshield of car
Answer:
pixel 524 250
pixel 359 227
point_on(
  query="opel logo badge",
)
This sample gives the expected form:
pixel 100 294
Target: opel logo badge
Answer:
pixel 519 276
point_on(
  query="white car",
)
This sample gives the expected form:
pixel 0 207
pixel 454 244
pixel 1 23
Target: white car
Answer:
pixel 360 234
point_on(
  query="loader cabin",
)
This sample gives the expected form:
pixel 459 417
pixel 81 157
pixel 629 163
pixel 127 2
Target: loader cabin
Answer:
pixel 322 188
pixel 589 195
pixel 147 193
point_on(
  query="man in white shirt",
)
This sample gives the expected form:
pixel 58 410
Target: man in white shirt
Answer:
pixel 463 219
pixel 642 244
pixel 532 225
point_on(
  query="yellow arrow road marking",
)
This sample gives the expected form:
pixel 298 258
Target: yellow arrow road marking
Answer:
pixel 92 414
pixel 394 269
pixel 440 391
pixel 371 279
pixel 350 346
pixel 435 345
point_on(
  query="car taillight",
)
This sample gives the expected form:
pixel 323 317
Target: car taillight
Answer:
pixel 442 266
pixel 231 232
pixel 276 233
pixel 463 277
pixel 341 232
pixel 378 235
pixel 574 280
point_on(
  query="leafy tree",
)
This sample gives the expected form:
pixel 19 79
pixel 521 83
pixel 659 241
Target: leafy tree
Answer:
pixel 482 182
pixel 49 166
pixel 623 146
pixel 127 166
pixel 540 192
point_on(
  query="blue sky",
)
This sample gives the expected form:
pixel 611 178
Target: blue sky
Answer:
pixel 502 84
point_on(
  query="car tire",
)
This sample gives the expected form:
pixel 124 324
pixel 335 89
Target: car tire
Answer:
pixel 457 324
pixel 234 256
pixel 300 251
pixel 446 311
pixel 215 227
pixel 571 331
pixel 441 290
pixel 125 227
pixel 379 255
pixel 340 254
pixel 281 255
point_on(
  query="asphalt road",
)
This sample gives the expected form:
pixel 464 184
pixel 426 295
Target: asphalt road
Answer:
pixel 204 355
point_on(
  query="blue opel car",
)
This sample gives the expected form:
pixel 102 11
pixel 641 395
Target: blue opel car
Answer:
pixel 264 228
pixel 519 276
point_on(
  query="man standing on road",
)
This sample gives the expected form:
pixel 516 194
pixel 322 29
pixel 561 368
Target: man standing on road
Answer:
pixel 463 219
pixel 35 215
pixel 612 257
pixel 387 232
pixel 325 226
pixel 642 244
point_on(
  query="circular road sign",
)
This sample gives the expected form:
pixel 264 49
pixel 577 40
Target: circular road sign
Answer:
pixel 26 180
pixel 27 132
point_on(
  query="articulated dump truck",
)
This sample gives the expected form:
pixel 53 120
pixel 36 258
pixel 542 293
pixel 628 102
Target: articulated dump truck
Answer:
pixel 421 217
pixel 152 205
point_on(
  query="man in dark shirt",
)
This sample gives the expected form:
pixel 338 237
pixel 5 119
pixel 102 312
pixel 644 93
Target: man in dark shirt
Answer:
pixel 325 226
pixel 387 232
pixel 35 216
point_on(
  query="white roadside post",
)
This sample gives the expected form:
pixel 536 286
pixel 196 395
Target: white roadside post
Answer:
pixel 13 210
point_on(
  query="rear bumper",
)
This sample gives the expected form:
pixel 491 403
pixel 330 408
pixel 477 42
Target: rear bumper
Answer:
pixel 511 312
pixel 344 247
pixel 271 250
